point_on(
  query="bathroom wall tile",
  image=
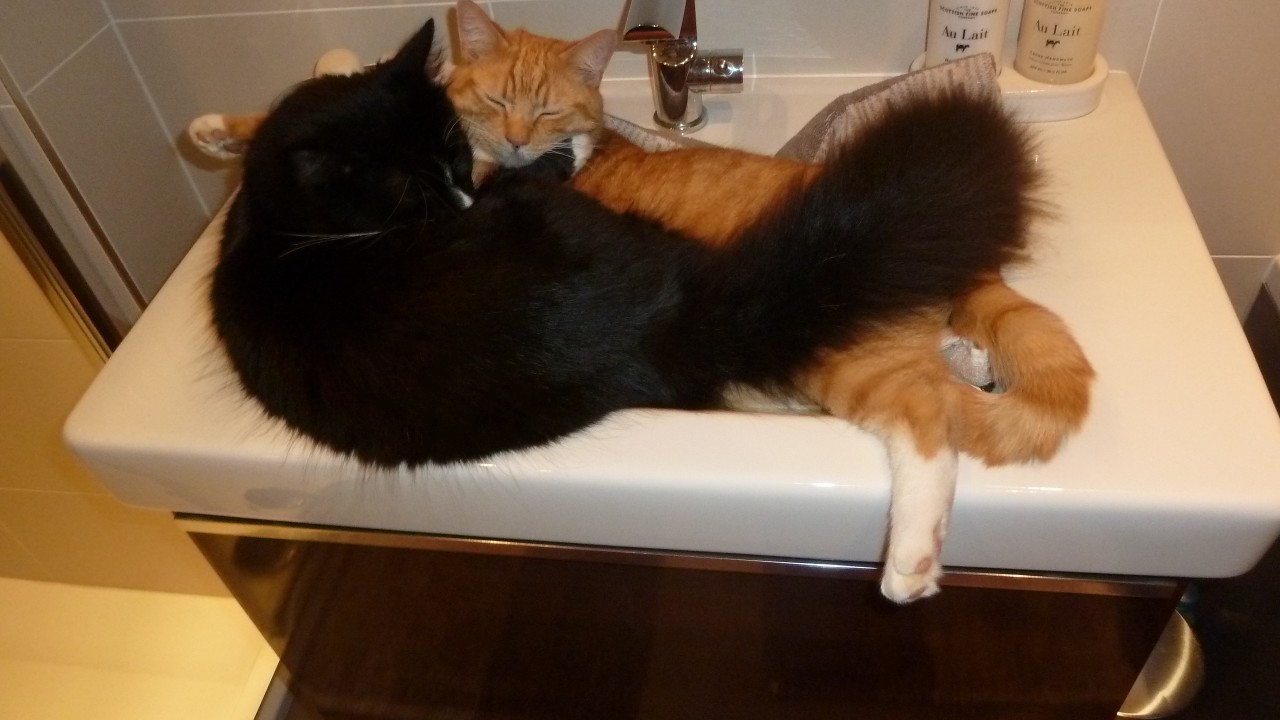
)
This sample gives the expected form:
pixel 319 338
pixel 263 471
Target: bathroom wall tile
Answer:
pixel 108 654
pixel 818 36
pixel 241 63
pixel 151 9
pixel 1242 276
pixel 21 148
pixel 36 35
pixel 1272 280
pixel 90 539
pixel 41 381
pixel 15 561
pixel 1215 113
pixel 24 313
pixel 1126 34
pixel 101 125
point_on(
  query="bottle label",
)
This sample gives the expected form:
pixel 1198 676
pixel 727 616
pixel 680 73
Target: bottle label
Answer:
pixel 1058 40
pixel 958 29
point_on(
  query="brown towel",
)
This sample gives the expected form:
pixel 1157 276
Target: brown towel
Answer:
pixel 847 114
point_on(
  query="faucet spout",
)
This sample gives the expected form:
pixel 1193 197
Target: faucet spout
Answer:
pixel 659 20
pixel 678 74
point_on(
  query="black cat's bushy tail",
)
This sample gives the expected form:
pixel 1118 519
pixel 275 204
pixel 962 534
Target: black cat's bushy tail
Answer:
pixel 934 196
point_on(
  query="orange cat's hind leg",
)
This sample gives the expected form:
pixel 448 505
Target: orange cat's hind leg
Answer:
pixel 919 510
pixel 1045 377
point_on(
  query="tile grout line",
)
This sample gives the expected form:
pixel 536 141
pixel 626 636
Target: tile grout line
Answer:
pixel 167 132
pixel 264 13
pixel 70 56
pixel 44 570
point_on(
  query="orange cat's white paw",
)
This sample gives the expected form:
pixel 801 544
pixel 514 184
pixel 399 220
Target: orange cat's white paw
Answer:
pixel 912 577
pixel 210 135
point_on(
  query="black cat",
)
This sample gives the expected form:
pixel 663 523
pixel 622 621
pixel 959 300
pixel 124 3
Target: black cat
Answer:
pixel 372 299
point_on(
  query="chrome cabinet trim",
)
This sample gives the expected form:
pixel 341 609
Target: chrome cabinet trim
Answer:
pixel 1113 586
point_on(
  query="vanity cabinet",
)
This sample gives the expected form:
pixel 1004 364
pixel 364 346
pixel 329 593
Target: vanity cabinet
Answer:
pixel 722 565
pixel 384 625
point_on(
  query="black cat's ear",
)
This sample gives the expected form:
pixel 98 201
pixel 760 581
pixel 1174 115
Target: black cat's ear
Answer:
pixel 415 55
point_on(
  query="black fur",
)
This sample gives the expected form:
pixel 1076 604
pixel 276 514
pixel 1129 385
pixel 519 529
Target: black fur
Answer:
pixel 360 301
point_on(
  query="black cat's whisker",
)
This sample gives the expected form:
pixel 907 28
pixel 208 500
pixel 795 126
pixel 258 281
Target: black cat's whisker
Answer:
pixel 424 187
pixel 477 131
pixel 399 201
pixel 330 236
pixel 452 127
pixel 312 239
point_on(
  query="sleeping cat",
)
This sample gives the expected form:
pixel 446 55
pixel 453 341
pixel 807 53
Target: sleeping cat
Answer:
pixel 891 380
pixel 521 94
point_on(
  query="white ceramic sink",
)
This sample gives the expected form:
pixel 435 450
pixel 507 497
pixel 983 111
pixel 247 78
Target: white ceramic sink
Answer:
pixel 1177 472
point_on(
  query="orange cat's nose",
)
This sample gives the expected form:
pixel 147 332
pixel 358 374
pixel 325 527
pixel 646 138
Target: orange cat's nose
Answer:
pixel 518 135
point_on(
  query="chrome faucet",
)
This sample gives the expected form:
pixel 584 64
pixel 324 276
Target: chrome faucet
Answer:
pixel 677 72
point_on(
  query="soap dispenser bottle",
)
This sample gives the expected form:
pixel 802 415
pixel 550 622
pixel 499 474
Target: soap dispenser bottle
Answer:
pixel 1058 40
pixel 960 28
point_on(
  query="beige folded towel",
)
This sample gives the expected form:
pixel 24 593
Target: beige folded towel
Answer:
pixel 847 114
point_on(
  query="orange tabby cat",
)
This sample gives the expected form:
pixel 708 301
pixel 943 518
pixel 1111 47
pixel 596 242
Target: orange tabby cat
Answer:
pixel 522 95
pixel 519 93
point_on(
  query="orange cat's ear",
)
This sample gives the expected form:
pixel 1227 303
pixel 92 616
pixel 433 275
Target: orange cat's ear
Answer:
pixel 591 55
pixel 478 36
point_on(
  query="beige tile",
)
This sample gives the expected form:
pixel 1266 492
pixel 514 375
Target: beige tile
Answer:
pixel 109 654
pixel 103 128
pixel 36 35
pixel 24 311
pixel 143 9
pixel 40 382
pixel 15 561
pixel 96 540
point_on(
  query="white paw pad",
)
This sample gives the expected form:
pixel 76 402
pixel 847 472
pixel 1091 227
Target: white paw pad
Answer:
pixel 910 580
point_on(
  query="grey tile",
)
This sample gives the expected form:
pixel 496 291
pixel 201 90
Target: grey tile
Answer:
pixel 1126 31
pixel 1242 276
pixel 23 150
pixel 1214 110
pixel 103 129
pixel 817 36
pixel 151 9
pixel 241 63
pixel 36 35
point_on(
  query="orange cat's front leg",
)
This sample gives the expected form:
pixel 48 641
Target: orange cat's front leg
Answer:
pixel 893 382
